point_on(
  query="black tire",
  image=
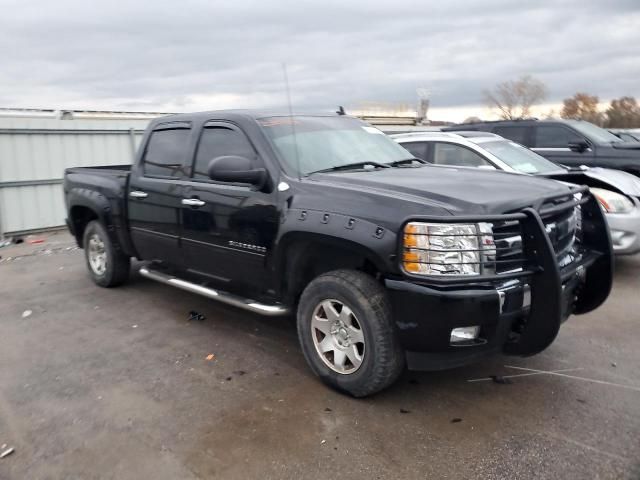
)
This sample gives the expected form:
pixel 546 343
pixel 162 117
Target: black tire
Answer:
pixel 382 360
pixel 117 264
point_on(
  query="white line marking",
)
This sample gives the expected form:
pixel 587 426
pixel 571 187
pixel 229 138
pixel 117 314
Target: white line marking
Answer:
pixel 486 379
pixel 587 447
pixel 601 382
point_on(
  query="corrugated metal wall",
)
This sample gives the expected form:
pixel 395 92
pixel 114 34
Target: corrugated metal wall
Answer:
pixel 34 153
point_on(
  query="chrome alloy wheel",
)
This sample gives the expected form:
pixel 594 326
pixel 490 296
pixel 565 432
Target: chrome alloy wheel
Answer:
pixel 97 255
pixel 338 336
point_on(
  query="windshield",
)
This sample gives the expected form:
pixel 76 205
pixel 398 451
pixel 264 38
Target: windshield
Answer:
pixel 595 133
pixel 519 158
pixel 321 143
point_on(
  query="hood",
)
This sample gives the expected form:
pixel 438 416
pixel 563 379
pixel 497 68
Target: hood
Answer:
pixel 458 191
pixel 615 180
pixel 626 145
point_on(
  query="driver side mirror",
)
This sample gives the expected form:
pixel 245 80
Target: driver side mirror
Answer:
pixel 578 146
pixel 236 169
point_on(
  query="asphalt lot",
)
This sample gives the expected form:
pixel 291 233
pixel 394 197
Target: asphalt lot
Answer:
pixel 99 383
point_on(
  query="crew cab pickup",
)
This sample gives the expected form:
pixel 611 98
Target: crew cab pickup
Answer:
pixel 386 261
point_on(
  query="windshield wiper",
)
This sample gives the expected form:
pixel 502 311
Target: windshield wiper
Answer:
pixel 350 166
pixel 406 161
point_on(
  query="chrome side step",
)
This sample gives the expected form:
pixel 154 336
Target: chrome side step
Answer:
pixel 271 310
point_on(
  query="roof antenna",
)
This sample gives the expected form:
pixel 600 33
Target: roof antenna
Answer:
pixel 341 110
pixel 293 127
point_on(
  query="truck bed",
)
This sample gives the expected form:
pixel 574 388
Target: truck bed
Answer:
pixel 102 189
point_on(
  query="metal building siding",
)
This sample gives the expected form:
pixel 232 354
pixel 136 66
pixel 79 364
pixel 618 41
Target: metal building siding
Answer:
pixel 36 150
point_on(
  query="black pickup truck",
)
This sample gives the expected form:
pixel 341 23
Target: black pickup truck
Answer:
pixel 385 260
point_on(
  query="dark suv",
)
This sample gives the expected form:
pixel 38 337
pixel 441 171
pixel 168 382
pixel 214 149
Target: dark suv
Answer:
pixel 567 142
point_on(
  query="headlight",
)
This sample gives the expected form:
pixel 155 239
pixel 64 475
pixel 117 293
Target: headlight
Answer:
pixel 447 248
pixel 612 202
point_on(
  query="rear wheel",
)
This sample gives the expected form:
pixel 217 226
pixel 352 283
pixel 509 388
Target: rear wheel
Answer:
pixel 107 265
pixel 347 334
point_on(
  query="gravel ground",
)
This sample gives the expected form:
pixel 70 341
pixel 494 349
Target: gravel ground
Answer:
pixel 115 383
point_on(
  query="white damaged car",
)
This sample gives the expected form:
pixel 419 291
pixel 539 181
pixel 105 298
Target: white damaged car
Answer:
pixel 618 192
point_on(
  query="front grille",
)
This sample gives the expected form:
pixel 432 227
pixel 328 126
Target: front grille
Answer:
pixel 507 237
pixel 563 229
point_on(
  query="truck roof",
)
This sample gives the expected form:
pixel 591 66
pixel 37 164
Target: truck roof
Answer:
pixel 235 114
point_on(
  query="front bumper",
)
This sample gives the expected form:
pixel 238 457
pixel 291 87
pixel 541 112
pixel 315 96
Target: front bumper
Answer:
pixel 425 317
pixel 518 313
pixel 625 231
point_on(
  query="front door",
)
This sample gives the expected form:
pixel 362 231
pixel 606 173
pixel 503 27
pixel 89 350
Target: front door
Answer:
pixel 155 194
pixel 227 228
pixel 552 141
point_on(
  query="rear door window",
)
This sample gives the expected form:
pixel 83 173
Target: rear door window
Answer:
pixel 555 136
pixel 515 134
pixel 456 155
pixel 417 149
pixel 165 153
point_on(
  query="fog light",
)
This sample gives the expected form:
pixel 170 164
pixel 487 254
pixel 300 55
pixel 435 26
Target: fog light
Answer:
pixel 464 334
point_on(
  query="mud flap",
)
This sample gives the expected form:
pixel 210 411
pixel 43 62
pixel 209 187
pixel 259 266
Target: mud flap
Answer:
pixel 543 323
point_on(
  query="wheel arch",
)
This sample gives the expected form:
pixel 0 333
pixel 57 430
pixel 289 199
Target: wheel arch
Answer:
pixel 302 256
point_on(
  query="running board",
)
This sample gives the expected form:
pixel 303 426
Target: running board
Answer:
pixel 271 310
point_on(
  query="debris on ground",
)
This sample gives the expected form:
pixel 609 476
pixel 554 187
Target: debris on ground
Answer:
pixel 228 379
pixel 501 380
pixel 34 241
pixel 614 364
pixel 581 400
pixel 134 326
pixel 323 442
pixel 7 452
pixel 328 410
pixel 193 315
pixel 26 313
pixel 6 242
pixel 456 420
pixel 210 357
pixel 239 372
pixel 402 410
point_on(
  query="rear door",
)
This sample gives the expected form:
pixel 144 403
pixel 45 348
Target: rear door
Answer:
pixel 155 193
pixel 552 141
pixel 227 227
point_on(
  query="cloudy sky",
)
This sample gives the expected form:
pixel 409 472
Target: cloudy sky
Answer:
pixel 189 55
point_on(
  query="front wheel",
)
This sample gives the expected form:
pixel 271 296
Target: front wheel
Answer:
pixel 347 334
pixel 107 265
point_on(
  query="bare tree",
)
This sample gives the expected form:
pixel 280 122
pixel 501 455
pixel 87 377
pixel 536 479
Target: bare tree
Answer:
pixel 582 106
pixel 514 98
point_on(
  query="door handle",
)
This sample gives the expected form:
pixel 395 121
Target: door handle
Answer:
pixel 192 202
pixel 138 194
